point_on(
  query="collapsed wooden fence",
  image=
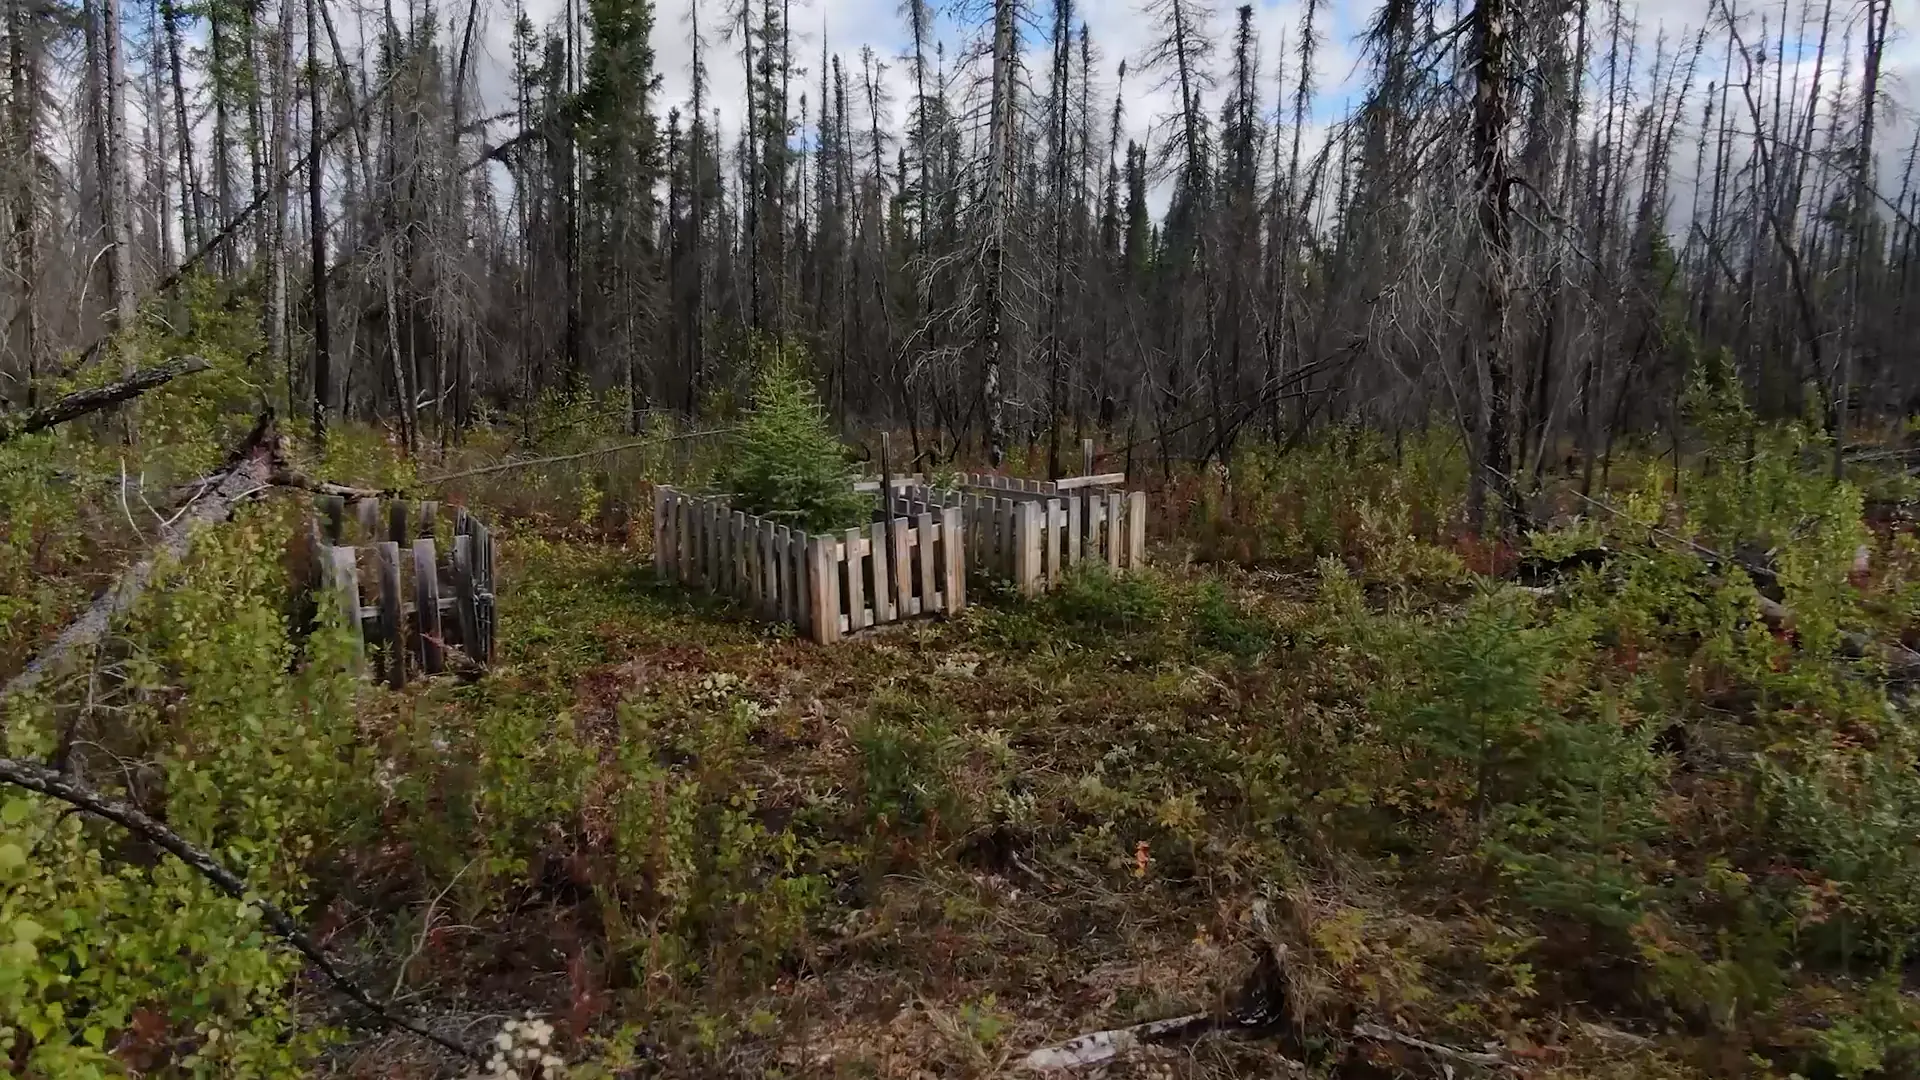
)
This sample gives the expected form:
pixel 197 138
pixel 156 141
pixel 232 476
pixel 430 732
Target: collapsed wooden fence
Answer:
pixel 827 585
pixel 408 636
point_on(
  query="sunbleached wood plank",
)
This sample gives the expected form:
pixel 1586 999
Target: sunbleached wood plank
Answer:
pixel 902 566
pixel 856 581
pixel 1136 529
pixel 826 590
pixel 387 565
pixel 426 607
pixel 923 533
pixel 953 550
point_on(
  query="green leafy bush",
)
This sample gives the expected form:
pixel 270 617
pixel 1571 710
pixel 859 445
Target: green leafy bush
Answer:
pixel 1096 597
pixel 785 463
pixel 258 766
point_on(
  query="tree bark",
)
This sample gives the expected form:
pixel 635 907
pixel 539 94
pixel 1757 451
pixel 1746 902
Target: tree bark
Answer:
pixel 1490 119
pixel 317 226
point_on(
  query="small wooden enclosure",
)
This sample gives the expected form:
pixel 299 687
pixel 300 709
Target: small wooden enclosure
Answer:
pixel 827 585
pixel 424 600
pixel 1032 532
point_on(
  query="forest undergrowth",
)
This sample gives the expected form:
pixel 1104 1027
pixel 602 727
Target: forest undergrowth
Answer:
pixel 1635 796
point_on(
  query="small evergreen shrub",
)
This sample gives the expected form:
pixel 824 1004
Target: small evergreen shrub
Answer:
pixel 785 463
pixel 1220 624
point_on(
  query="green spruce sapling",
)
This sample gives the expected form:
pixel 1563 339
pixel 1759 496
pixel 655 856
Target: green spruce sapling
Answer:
pixel 784 462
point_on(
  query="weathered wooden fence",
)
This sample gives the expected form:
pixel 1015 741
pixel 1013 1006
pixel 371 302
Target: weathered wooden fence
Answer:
pixel 408 635
pixel 1032 532
pixel 827 585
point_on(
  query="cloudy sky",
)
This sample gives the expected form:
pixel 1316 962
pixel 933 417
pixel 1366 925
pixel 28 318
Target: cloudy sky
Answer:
pixel 1120 30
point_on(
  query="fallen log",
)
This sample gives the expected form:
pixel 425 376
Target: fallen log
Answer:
pixel 39 778
pixel 81 402
pixel 1902 663
pixel 249 472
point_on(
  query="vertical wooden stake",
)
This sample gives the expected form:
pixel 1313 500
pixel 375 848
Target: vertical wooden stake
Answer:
pixel 1075 501
pixel 662 496
pixel 923 530
pixel 800 560
pixel 483 589
pixel 776 570
pixel 368 511
pixel 826 591
pixel 856 582
pixel 1113 531
pixel 1086 457
pixel 1136 528
pixel 1008 565
pixel 426 607
pixel 882 572
pixel 737 580
pixel 346 591
pixel 463 592
pixel 953 547
pixel 334 508
pixel 429 518
pixel 1056 520
pixel 1026 569
pixel 387 559
pixel 902 564
pixel 682 542
pixel 397 521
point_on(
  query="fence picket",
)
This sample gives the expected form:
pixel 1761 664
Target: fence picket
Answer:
pixel 1074 502
pixel 826 591
pixel 1113 531
pixel 954 549
pixel 334 509
pixel 1026 554
pixel 1136 529
pixel 463 592
pixel 882 573
pixel 783 572
pixel 856 582
pixel 902 565
pixel 426 607
pixel 387 561
pixel 1008 564
pixel 345 583
pixel 1055 524
pixel 801 556
pixel 923 530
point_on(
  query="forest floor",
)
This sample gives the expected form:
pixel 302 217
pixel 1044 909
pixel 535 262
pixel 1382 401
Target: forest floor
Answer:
pixel 932 849
pixel 1637 797
pixel 1005 831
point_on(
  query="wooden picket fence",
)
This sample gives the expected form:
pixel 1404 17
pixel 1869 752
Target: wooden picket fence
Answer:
pixel 452 600
pixel 827 585
pixel 1033 532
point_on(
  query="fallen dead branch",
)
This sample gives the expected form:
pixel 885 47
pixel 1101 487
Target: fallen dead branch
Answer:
pixel 81 402
pixel 248 473
pixel 1378 1033
pixel 47 782
pixel 1261 1010
pixel 1098 1047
